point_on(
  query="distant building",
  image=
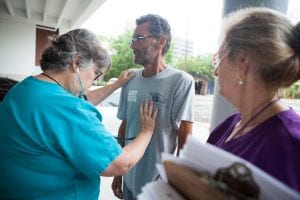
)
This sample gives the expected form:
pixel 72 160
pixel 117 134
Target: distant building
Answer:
pixel 203 85
pixel 182 48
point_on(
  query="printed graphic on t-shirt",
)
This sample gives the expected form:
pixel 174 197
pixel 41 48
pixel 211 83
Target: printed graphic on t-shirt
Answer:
pixel 158 98
pixel 132 95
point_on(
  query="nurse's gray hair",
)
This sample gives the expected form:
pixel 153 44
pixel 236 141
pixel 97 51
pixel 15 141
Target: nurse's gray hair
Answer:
pixel 61 51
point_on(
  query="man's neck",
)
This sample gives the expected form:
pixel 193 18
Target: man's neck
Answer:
pixel 152 69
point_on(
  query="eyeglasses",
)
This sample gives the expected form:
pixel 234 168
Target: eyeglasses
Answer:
pixel 140 37
pixel 97 75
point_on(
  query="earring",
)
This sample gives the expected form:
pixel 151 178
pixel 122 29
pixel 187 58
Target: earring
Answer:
pixel 240 80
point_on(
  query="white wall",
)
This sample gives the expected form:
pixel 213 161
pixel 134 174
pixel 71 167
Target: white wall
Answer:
pixel 17 49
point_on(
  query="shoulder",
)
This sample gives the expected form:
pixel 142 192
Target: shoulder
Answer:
pixel 137 71
pixel 137 75
pixel 223 127
pixel 179 72
pixel 180 75
pixel 134 81
pixel 228 121
pixel 290 121
pixel 27 83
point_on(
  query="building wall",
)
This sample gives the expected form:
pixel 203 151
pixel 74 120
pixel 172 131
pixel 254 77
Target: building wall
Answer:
pixel 17 52
pixel 182 48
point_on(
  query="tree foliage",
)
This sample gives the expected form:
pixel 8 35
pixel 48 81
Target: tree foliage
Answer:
pixel 197 65
pixel 169 55
pixel 121 54
pixel 293 92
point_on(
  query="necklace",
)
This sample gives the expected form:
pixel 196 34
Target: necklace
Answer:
pixel 52 79
pixel 254 116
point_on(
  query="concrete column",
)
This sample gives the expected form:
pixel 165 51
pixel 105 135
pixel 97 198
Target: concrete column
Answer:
pixel 221 107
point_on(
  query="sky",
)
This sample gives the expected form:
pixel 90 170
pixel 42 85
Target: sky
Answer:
pixel 196 20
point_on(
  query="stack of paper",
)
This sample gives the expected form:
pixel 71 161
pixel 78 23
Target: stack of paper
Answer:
pixel 206 157
pixel 159 190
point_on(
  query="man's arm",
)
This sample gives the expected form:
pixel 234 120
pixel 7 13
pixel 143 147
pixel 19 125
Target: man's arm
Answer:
pixel 185 129
pixel 121 134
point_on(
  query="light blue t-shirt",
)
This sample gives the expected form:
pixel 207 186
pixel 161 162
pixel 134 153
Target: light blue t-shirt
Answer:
pixel 172 91
pixel 53 145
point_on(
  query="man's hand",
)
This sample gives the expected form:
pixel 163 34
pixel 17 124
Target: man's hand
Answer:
pixel 116 186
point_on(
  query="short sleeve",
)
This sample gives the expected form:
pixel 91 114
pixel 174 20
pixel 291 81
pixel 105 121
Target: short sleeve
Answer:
pixel 123 103
pixel 122 108
pixel 184 102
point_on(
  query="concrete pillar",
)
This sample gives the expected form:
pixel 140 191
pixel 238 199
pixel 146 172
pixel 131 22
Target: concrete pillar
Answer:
pixel 221 107
pixel 232 5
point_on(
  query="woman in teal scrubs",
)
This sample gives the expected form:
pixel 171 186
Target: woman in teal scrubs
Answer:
pixel 53 144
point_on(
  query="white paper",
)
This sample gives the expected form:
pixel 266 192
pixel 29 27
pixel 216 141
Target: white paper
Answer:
pixel 159 190
pixel 162 172
pixel 212 158
pixel 206 157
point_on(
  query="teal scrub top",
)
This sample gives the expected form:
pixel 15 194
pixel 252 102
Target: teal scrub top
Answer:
pixel 53 145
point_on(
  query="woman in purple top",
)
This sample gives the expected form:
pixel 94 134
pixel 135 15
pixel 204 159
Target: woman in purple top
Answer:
pixel 258 55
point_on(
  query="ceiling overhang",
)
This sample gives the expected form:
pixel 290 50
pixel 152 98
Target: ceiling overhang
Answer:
pixel 55 14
